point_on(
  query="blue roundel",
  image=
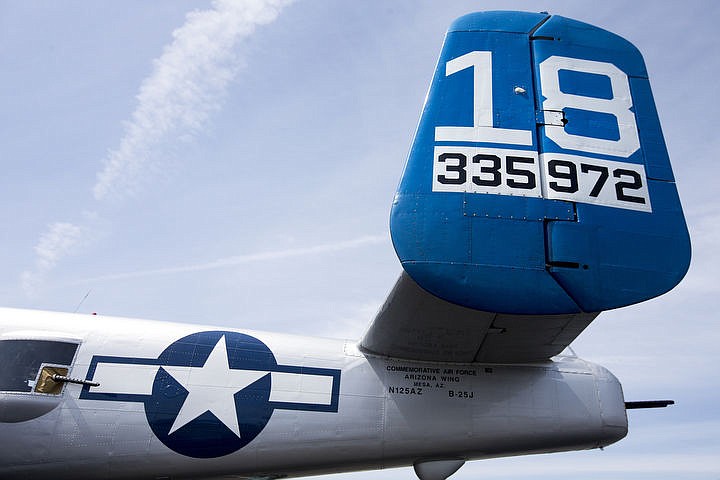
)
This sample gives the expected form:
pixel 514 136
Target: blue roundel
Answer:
pixel 201 433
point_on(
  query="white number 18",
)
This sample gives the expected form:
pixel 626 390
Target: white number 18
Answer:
pixel 555 99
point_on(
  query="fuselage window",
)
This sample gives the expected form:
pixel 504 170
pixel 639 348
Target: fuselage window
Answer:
pixel 21 361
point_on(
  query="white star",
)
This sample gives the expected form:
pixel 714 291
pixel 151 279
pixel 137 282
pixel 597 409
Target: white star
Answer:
pixel 211 388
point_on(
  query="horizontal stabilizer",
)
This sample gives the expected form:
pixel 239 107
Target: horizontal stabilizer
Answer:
pixel 417 325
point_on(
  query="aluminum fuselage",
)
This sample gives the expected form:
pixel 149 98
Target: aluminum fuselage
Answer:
pixel 390 412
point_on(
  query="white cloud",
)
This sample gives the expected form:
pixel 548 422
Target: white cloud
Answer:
pixel 185 87
pixel 187 84
pixel 59 240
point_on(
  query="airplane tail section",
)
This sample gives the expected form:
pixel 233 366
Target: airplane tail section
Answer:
pixel 539 181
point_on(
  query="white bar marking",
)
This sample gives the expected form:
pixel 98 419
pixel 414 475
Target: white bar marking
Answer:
pixel 301 388
pixel 124 378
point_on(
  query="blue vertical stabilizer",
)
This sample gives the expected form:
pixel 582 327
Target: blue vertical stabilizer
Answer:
pixel 539 181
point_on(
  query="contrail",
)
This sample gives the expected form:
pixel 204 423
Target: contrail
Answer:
pixel 249 258
pixel 187 84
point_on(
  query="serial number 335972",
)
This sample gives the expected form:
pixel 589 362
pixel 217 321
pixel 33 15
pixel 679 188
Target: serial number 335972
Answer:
pixel 550 175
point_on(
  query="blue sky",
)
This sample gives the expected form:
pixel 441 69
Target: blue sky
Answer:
pixel 245 179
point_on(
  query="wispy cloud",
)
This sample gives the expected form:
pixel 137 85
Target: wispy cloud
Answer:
pixel 186 86
pixel 249 258
pixel 59 240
